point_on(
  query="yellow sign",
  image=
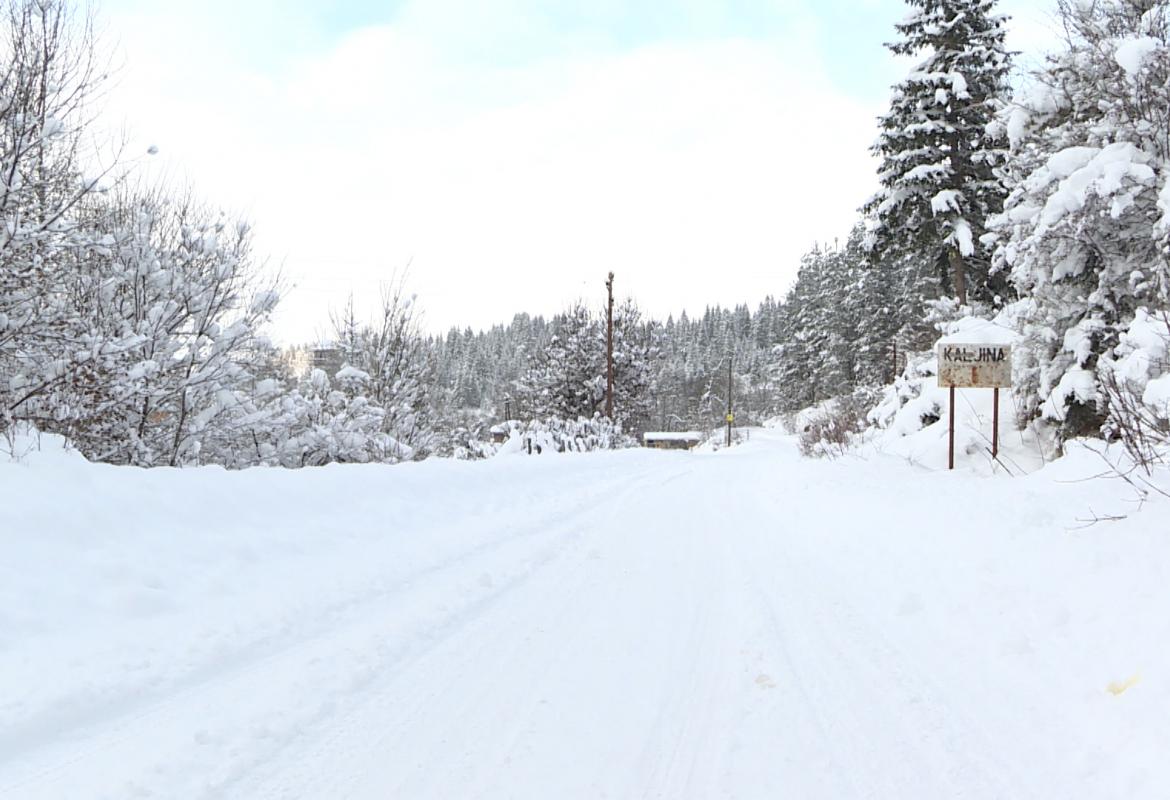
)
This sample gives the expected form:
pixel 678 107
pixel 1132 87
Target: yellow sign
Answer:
pixel 731 417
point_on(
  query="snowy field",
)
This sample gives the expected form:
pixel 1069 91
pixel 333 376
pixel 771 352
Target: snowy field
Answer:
pixel 635 624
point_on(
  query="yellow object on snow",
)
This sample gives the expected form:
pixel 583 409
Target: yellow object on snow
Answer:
pixel 1117 687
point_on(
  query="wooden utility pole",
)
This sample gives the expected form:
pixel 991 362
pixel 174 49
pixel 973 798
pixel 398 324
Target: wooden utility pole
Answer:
pixel 609 350
pixel 730 414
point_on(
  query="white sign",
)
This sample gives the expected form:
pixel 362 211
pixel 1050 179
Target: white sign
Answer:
pixel 980 366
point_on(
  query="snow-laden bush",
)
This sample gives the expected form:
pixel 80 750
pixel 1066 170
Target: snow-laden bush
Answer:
pixel 832 429
pixel 1136 385
pixel 556 435
pixel 908 404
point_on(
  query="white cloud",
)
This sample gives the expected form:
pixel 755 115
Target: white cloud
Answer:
pixel 697 172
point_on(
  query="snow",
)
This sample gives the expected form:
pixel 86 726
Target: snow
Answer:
pixel 1164 206
pixel 962 237
pixel 348 373
pixel 927 172
pixel 944 201
pixel 672 436
pixel 1037 101
pixel 1077 383
pixel 1157 395
pixel 1071 159
pixel 142 369
pixel 959 85
pixel 1085 171
pixel 604 624
pixel 265 301
pixel 1131 54
pixel 1078 340
pixel 1142 359
pixel 973 330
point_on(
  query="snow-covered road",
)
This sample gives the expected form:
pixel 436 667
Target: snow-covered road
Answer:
pixel 626 625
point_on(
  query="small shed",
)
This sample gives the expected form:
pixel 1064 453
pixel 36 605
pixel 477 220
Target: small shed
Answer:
pixel 672 440
pixel 499 433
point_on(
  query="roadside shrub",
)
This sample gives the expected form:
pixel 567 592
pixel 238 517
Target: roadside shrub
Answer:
pixel 1136 388
pixel 831 430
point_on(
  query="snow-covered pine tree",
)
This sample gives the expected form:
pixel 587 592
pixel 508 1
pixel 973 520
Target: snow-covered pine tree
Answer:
pixel 938 163
pixel 1086 229
pixel 475 372
pixel 881 315
pixel 567 379
pixel 794 357
pixel 481 374
pixel 841 310
pixel 347 333
pixel 635 352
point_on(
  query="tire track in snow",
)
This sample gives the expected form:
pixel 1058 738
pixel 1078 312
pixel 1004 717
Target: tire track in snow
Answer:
pixel 857 668
pixel 492 667
pixel 58 760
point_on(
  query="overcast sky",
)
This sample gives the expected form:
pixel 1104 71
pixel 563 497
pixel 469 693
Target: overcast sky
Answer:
pixel 513 151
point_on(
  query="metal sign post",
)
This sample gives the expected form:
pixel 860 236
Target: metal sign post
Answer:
pixel 995 425
pixel 951 432
pixel 974 366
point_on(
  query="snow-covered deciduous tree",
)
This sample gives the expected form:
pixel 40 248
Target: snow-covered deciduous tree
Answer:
pixel 938 170
pixel 49 75
pixel 324 422
pixel 391 355
pixel 168 336
pixel 400 372
pixel 1086 229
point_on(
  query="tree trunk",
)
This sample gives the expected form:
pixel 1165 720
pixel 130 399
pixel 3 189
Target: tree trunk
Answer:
pixel 958 278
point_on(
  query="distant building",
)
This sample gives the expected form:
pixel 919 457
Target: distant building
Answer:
pixel 326 357
pixel 303 359
pixel 298 361
pixel 672 440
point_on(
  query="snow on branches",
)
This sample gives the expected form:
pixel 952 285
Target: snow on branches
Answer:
pixel 1085 231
